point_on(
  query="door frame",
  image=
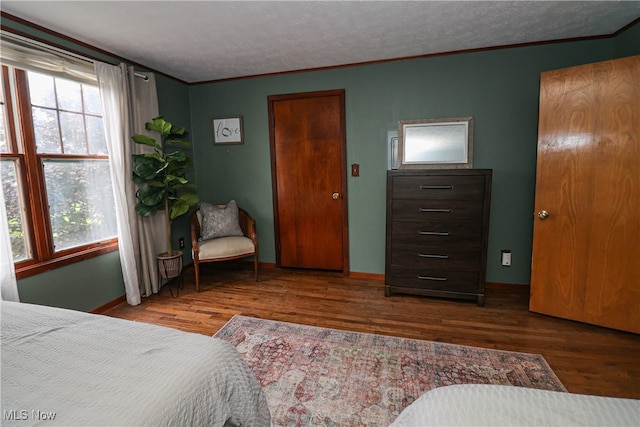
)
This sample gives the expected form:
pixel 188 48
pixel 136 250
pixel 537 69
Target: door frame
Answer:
pixel 343 168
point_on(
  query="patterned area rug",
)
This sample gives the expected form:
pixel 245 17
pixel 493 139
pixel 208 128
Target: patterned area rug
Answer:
pixel 325 377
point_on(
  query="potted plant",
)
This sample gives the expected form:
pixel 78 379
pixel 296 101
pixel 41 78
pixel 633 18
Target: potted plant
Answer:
pixel 162 179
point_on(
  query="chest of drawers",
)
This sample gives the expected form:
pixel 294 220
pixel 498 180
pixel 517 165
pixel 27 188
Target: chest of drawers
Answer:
pixel 437 232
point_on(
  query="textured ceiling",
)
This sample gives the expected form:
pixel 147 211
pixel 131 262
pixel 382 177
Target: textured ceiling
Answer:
pixel 197 41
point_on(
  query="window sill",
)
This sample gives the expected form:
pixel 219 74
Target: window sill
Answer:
pixel 63 259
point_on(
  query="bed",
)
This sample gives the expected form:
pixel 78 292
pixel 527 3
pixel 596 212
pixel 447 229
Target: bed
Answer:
pixel 63 367
pixel 498 405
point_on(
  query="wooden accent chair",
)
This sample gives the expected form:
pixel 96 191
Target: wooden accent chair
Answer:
pixel 223 248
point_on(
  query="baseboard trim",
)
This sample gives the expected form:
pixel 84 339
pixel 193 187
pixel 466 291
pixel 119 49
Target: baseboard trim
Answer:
pixel 370 276
pixel 510 286
pixel 108 306
pixel 268 265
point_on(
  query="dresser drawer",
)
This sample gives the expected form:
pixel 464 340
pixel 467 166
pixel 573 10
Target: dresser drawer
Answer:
pixel 434 234
pixel 439 187
pixel 436 258
pixel 435 210
pixel 439 280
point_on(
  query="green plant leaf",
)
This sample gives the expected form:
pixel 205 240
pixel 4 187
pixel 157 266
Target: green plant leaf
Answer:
pixel 182 204
pixel 179 130
pixel 179 208
pixel 177 141
pixel 176 156
pixel 175 179
pixel 160 125
pixel 162 167
pixel 165 126
pixel 177 168
pixel 146 140
pixel 151 195
pixel 145 167
pixel 190 198
pixel 155 155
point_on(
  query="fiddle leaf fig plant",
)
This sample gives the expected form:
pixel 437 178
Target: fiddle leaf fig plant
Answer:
pixel 161 174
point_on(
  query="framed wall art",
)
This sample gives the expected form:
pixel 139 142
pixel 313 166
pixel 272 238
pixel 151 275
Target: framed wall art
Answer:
pixel 435 143
pixel 227 130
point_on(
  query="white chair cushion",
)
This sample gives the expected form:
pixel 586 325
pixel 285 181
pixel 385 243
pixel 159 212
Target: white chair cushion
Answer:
pixel 223 247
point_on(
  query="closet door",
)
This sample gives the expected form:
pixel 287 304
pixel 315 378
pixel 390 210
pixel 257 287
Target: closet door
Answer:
pixel 308 166
pixel 586 237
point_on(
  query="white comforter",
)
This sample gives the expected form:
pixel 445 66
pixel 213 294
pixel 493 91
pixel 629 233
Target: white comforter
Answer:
pixel 498 405
pixel 63 367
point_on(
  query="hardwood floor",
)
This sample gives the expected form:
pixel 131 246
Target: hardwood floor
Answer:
pixel 587 359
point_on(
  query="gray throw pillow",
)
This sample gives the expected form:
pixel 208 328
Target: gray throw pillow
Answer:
pixel 219 221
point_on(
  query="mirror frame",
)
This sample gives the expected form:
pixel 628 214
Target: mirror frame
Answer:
pixel 465 142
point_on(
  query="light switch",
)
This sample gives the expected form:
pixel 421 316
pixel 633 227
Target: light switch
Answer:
pixel 506 257
pixel 355 169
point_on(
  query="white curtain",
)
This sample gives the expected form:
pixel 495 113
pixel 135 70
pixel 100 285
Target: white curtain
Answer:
pixel 128 102
pixel 9 290
pixel 31 55
pixel 152 230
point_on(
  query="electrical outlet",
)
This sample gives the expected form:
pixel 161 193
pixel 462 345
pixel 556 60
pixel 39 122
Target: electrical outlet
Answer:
pixel 506 257
pixel 181 242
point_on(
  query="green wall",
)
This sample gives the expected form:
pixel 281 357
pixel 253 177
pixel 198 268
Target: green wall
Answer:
pixel 627 43
pixel 81 286
pixel 498 88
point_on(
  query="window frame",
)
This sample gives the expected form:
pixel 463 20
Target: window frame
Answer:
pixel 38 228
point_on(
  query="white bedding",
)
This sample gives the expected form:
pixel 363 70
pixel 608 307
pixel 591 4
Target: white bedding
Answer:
pixel 497 405
pixel 95 370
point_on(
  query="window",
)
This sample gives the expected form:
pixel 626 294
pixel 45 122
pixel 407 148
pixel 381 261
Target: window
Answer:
pixel 55 170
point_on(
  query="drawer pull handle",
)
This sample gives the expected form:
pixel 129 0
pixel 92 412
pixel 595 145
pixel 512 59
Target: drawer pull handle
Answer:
pixel 433 256
pixel 434 233
pixel 436 187
pixel 440 279
pixel 436 210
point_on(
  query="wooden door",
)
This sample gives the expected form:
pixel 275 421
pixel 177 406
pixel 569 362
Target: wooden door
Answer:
pixel 586 252
pixel 308 156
